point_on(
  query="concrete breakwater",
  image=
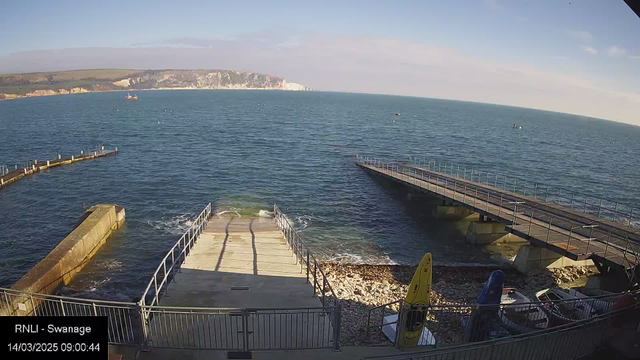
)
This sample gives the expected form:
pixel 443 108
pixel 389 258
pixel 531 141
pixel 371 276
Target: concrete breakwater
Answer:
pixel 68 257
pixel 8 176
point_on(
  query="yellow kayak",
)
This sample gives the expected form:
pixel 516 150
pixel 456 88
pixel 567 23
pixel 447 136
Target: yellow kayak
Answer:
pixel 418 294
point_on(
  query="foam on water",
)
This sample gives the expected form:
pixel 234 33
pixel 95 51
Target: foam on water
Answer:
pixel 303 221
pixel 265 213
pixel 355 259
pixel 220 213
pixel 176 224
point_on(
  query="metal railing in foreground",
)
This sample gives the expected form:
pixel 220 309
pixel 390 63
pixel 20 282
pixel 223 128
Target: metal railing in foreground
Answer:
pixel 569 341
pixel 243 329
pixel 174 258
pixel 190 327
pixel 458 324
pixel 124 319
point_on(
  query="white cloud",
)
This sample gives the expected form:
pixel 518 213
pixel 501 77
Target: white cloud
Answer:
pixel 363 64
pixel 590 50
pixel 582 36
pixel 634 57
pixel 615 50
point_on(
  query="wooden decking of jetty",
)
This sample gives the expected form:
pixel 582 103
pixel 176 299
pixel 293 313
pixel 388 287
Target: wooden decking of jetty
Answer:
pixel 566 231
pixel 9 177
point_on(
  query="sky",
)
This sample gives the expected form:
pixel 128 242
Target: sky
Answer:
pixel 578 56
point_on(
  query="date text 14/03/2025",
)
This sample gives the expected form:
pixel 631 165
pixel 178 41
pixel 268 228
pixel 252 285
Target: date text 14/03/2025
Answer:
pixel 35 337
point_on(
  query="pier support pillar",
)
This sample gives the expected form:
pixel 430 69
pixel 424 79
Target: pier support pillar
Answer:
pixel 424 199
pixel 531 257
pixel 451 212
pixel 486 232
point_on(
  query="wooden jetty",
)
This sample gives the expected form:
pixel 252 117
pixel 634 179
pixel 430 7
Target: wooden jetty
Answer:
pixel 10 176
pixel 576 235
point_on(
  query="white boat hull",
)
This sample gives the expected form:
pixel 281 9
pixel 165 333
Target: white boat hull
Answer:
pixel 389 330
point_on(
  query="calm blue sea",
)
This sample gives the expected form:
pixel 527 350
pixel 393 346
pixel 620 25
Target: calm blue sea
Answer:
pixel 245 150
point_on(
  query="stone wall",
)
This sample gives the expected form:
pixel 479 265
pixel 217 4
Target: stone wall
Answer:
pixel 72 253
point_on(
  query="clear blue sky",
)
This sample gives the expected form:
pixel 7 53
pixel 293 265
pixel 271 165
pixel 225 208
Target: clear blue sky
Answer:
pixel 595 39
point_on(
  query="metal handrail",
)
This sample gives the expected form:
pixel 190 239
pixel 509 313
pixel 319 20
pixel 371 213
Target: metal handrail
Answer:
pixel 300 248
pixel 487 197
pixel 146 326
pixel 595 204
pixel 58 297
pixel 184 245
pixel 536 303
pixel 587 307
pixel 477 346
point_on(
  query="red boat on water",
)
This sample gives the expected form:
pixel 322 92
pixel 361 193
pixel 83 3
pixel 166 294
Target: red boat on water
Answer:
pixel 129 97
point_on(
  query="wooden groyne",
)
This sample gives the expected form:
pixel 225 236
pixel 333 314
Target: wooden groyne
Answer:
pixel 8 176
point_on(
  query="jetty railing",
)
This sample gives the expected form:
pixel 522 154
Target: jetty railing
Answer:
pixel 243 329
pixel 589 204
pixel 174 258
pixel 9 175
pixel 549 226
pixel 308 262
pixel 124 325
pixel 570 341
pixel 255 329
pixel 240 329
pixel 450 324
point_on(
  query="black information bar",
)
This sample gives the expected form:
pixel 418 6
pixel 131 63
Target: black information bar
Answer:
pixel 54 337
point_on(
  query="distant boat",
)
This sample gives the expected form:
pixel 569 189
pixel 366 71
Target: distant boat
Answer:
pixel 129 97
pixel 516 126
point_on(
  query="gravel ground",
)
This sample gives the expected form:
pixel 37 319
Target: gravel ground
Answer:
pixel 363 287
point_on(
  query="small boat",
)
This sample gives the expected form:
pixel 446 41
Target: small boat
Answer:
pixel 389 330
pixel 519 315
pixel 397 114
pixel 129 97
pixel 563 307
pixel 600 300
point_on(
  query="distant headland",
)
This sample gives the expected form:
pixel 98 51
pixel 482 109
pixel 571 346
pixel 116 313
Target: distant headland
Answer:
pixel 80 81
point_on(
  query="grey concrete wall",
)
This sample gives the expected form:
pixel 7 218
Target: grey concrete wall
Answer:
pixel 531 257
pixel 451 212
pixel 487 232
pixel 72 253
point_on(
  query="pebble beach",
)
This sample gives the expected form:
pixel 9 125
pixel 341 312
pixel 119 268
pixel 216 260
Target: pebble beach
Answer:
pixel 363 287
